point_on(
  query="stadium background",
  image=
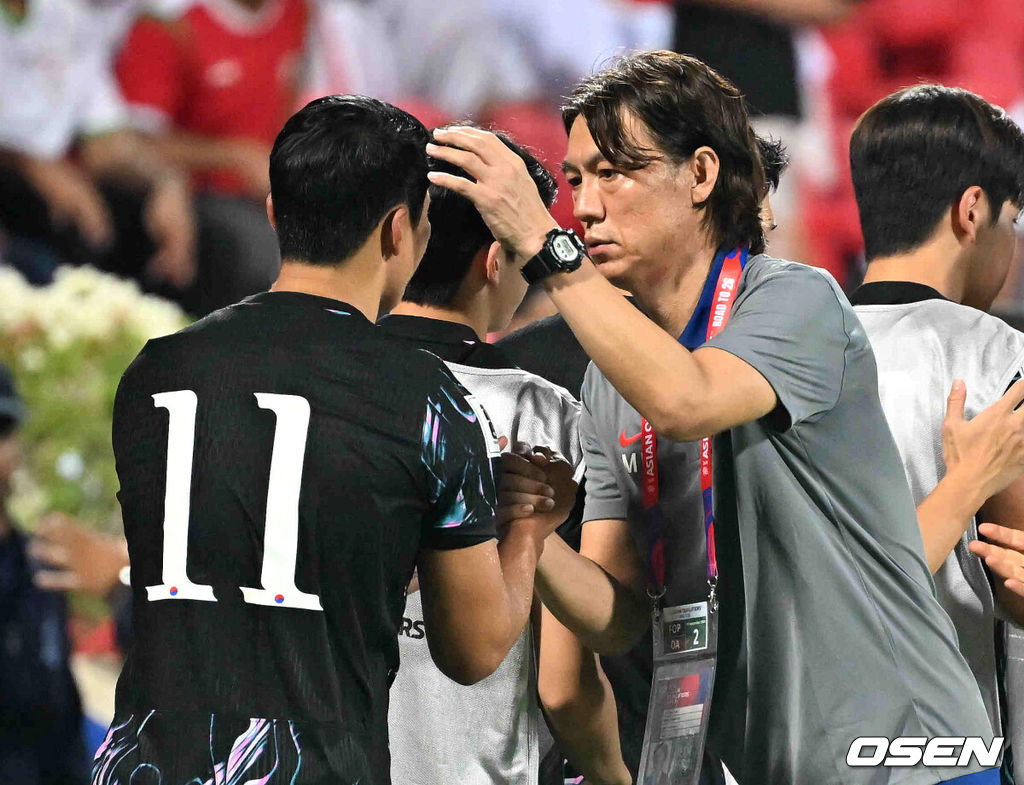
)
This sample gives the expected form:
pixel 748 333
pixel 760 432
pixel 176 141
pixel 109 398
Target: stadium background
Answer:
pixel 177 83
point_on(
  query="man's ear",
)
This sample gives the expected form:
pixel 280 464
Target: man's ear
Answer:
pixel 270 212
pixel 704 166
pixel 492 263
pixel 969 213
pixel 395 231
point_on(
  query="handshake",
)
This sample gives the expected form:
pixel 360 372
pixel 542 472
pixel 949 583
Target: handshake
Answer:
pixel 536 490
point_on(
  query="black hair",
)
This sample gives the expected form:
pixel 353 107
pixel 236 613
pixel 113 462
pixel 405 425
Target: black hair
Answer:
pixel 684 104
pixel 775 160
pixel 915 152
pixel 337 167
pixel 458 232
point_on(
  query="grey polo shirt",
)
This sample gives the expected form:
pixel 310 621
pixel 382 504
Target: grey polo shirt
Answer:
pixel 830 629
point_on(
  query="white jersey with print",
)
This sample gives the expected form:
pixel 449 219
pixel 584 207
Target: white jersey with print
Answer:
pixel 920 348
pixel 55 75
pixel 441 732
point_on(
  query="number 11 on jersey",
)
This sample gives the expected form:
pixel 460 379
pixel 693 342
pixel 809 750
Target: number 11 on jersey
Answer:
pixel 281 534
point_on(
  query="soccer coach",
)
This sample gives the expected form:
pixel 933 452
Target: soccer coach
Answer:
pixel 830 630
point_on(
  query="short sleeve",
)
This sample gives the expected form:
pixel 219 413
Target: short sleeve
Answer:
pixel 103 110
pixel 1013 374
pixel 149 71
pixel 604 496
pixel 789 325
pixel 456 456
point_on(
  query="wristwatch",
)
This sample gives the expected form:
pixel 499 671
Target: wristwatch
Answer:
pixel 563 252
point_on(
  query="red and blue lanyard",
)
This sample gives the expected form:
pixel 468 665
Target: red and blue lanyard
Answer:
pixel 708 320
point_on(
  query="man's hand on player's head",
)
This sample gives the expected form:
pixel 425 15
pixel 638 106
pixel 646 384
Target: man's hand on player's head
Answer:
pixel 1003 554
pixel 988 451
pixel 536 489
pixel 504 193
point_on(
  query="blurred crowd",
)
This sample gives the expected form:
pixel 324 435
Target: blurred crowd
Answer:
pixel 134 134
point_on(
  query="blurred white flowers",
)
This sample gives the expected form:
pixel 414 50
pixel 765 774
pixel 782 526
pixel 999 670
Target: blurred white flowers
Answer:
pixel 83 304
pixel 67 345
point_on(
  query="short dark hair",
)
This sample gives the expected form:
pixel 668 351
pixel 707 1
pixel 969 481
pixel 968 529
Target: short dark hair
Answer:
pixel 458 232
pixel 337 167
pixel 685 104
pixel 775 160
pixel 915 152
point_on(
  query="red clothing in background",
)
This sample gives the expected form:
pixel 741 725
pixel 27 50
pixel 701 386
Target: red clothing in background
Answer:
pixel 218 70
pixel 885 45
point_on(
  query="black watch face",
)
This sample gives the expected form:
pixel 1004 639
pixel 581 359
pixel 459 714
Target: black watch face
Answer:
pixel 565 249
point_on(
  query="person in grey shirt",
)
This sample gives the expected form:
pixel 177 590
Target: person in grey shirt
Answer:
pixel 830 630
pixel 957 190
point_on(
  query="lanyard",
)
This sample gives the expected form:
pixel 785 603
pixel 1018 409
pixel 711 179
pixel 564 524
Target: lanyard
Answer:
pixel 709 319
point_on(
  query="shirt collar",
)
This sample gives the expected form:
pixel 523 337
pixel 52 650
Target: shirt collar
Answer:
pixel 451 341
pixel 423 328
pixel 894 293
pixel 301 299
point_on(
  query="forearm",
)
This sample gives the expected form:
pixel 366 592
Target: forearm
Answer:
pixel 125 156
pixel 650 368
pixel 190 151
pixel 606 616
pixel 518 553
pixel 579 705
pixel 945 514
pixel 476 601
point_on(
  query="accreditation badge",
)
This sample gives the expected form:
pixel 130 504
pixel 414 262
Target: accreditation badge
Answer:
pixel 685 649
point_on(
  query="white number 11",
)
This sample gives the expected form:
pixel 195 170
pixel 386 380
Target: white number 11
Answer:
pixel 281 536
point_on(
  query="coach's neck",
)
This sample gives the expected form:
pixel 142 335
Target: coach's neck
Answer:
pixel 669 293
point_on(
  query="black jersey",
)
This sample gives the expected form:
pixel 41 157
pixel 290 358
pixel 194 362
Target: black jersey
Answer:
pixel 281 463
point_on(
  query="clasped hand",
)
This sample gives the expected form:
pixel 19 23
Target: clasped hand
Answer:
pixel 536 489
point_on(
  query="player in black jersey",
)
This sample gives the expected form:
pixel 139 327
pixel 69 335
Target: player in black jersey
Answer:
pixel 283 467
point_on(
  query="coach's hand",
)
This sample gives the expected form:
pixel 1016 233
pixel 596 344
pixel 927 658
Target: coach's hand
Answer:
pixel 504 193
pixel 536 488
pixel 1004 554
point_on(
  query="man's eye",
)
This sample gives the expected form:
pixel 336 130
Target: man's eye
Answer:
pixel 574 182
pixel 606 174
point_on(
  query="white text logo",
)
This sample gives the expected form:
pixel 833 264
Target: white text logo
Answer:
pixel 912 750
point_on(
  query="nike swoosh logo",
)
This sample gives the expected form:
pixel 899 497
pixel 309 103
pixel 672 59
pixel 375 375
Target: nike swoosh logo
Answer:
pixel 625 441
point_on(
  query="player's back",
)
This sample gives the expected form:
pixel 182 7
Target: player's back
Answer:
pixel 922 342
pixel 281 462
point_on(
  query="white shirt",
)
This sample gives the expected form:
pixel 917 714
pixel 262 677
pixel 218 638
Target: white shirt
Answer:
pixel 920 348
pixel 56 82
pixel 443 733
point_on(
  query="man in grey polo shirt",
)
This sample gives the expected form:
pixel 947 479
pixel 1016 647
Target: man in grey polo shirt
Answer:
pixel 829 627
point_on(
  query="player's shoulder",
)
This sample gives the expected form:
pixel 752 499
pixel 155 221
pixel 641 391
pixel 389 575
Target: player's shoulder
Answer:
pixel 982 333
pixel 540 330
pixel 516 381
pixel 968 343
pixel 763 268
pixel 997 347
